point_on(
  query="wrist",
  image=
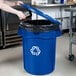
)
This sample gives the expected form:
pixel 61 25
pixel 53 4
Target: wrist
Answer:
pixel 18 13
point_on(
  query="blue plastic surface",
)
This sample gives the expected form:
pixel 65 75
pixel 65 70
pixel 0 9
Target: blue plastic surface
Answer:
pixel 62 1
pixel 40 13
pixel 39 51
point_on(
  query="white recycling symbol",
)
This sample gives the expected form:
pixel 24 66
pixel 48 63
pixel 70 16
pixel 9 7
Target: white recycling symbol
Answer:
pixel 35 50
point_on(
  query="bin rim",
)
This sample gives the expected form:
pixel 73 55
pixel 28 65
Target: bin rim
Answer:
pixel 37 26
pixel 38 12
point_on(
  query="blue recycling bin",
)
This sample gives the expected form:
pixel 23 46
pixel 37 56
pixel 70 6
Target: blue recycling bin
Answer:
pixel 39 45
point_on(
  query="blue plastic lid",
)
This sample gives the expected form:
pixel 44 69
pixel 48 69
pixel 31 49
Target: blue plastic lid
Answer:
pixel 40 13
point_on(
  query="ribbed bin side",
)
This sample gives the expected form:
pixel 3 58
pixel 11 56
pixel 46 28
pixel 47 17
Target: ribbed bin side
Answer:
pixel 42 63
pixel 39 51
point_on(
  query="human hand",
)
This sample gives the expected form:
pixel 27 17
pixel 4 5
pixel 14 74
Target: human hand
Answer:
pixel 21 15
pixel 18 3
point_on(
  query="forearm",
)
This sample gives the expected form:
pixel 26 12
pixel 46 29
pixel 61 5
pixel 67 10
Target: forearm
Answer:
pixel 11 3
pixel 7 8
